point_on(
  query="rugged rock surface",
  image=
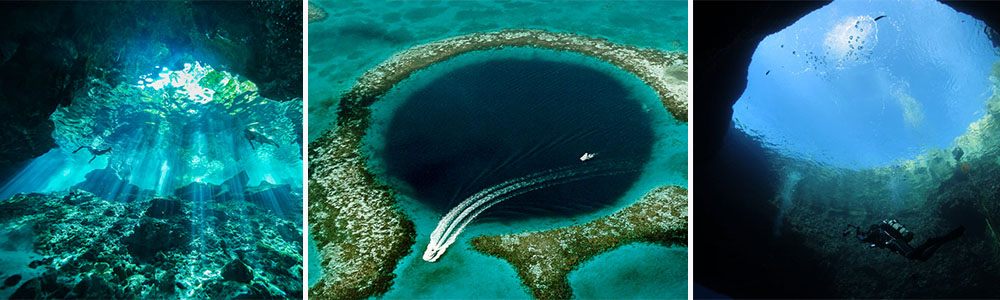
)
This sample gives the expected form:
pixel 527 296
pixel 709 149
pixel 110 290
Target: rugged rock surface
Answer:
pixel 738 199
pixel 225 245
pixel 543 259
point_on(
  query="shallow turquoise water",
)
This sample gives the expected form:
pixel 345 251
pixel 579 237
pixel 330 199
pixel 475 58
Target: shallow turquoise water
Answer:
pixel 359 34
pixel 633 271
pixel 314 268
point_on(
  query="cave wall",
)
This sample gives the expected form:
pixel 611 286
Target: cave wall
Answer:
pixel 735 180
pixel 49 50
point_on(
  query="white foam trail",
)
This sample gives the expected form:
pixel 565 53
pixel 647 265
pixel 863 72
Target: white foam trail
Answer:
pixel 452 224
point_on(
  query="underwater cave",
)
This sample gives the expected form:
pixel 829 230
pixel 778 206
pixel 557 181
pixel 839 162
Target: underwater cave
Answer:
pixel 853 113
pixel 138 158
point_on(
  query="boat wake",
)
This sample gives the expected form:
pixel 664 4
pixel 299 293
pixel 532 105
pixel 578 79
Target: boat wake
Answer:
pixel 452 224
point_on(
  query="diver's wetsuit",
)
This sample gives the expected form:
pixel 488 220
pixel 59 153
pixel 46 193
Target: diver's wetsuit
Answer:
pixel 885 235
pixel 256 136
pixel 93 152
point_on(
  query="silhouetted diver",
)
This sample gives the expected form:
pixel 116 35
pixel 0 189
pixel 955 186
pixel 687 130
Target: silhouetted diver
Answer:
pixel 253 135
pixel 891 234
pixel 93 151
pixel 879 17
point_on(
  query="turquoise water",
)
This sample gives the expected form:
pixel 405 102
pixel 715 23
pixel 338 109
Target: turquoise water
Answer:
pixel 359 34
pixel 633 272
pixel 858 85
pixel 314 268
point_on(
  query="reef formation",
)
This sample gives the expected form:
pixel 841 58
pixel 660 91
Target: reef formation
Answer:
pixel 213 241
pixel 354 218
pixel 544 258
pixel 316 13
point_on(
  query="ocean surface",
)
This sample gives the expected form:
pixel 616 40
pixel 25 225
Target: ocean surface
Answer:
pixel 840 87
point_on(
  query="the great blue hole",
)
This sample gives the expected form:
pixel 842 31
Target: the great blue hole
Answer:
pixel 484 123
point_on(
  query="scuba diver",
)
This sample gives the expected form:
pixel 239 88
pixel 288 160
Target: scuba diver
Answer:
pixel 253 135
pixel 93 151
pixel 891 234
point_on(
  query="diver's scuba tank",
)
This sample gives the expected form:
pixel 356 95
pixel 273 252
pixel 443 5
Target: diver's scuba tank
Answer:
pixel 905 233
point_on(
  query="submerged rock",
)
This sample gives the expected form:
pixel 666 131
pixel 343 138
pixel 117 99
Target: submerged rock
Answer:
pixel 237 271
pixel 151 236
pixel 163 208
pixel 316 13
pixel 146 248
pixel 12 280
pixel 105 183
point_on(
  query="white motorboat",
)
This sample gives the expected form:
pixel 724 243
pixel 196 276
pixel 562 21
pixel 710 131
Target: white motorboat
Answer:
pixel 587 156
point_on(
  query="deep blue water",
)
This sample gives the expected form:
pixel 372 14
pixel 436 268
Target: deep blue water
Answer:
pixel 492 121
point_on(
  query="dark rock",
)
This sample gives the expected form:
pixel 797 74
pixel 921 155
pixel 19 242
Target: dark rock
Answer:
pixel 166 284
pixel 12 280
pixel 197 192
pixel 238 182
pixel 151 236
pixel 119 273
pixel 99 289
pixel 220 216
pixel 257 291
pixel 35 264
pixel 29 290
pixel 106 184
pixel 161 208
pixel 80 290
pixel 290 232
pixel 724 49
pixel 76 198
pixel 276 198
pixel 237 271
